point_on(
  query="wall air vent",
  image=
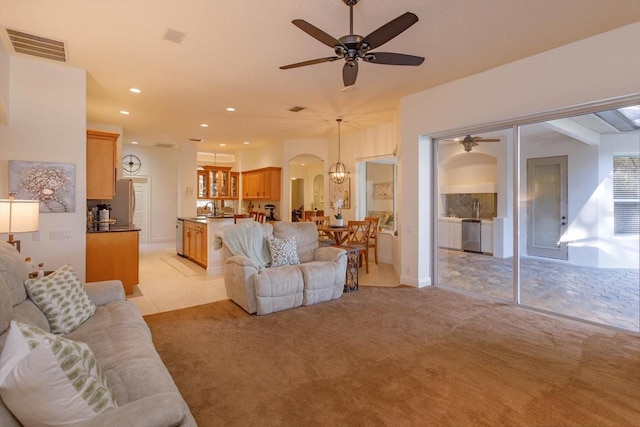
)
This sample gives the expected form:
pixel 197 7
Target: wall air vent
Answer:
pixel 41 47
pixel 161 145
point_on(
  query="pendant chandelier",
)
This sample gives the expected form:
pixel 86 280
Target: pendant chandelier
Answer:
pixel 338 172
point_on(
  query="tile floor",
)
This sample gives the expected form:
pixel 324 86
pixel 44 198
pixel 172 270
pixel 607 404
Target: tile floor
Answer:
pixel 169 282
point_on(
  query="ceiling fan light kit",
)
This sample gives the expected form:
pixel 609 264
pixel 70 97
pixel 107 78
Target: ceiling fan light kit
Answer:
pixel 354 47
pixel 338 172
pixel 469 142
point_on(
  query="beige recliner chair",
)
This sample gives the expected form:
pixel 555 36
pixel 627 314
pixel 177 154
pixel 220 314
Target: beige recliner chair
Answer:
pixel 257 287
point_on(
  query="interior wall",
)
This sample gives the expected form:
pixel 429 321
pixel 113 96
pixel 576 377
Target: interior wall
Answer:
pixel 162 165
pixel 47 123
pixel 548 81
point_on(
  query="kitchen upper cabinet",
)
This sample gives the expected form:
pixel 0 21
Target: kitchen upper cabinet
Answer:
pixel 101 165
pixel 262 184
pixel 234 185
pixel 215 183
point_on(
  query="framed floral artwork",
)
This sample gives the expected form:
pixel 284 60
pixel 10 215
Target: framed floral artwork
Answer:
pixel 340 191
pixel 53 184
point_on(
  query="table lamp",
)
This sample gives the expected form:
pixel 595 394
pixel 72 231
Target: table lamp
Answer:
pixel 18 216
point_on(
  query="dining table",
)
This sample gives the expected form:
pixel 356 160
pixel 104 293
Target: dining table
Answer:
pixel 337 232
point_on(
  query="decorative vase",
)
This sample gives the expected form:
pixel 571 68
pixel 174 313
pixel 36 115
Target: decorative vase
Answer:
pixel 339 222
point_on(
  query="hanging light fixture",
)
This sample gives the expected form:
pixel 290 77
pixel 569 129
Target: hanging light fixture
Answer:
pixel 338 172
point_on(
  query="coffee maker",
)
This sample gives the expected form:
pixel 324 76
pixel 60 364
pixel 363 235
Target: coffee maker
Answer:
pixel 269 209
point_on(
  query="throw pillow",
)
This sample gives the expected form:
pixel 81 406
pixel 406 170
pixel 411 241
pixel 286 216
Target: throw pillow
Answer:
pixel 283 251
pixel 48 380
pixel 62 298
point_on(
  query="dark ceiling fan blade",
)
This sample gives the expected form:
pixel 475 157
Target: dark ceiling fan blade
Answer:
pixel 393 58
pixel 350 73
pixel 390 30
pixel 316 33
pixel 311 62
pixel 487 140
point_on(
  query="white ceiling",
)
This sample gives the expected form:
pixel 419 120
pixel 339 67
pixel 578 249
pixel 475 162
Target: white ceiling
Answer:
pixel 233 48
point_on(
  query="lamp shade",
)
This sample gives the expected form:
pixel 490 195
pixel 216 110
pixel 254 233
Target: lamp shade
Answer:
pixel 19 216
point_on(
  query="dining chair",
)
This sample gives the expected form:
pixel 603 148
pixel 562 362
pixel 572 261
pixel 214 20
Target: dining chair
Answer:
pixel 373 235
pixel 236 217
pixel 358 238
pixel 261 217
pixel 323 238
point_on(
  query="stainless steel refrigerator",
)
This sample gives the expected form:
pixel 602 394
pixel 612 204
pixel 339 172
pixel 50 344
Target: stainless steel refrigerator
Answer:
pixel 124 203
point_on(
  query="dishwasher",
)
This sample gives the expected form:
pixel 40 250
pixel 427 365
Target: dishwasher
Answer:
pixel 471 235
pixel 179 226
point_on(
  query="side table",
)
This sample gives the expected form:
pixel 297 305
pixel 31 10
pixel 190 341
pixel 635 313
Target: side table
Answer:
pixel 351 280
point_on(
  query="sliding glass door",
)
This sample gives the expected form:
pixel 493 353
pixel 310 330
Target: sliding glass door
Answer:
pixel 579 217
pixel 566 240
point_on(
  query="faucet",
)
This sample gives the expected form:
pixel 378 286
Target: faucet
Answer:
pixel 476 207
pixel 213 209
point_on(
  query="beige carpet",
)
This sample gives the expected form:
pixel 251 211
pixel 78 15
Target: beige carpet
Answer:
pixel 398 357
pixel 184 266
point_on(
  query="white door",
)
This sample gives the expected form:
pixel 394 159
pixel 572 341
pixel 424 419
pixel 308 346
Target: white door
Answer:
pixel 141 211
pixel 547 207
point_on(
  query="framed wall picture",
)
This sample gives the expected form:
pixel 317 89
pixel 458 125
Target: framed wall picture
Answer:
pixel 340 191
pixel 53 184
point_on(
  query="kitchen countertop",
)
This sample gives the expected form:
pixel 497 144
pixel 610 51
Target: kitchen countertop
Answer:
pixel 204 219
pixel 97 227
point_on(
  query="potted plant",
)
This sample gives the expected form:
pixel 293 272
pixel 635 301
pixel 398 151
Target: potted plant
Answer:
pixel 337 205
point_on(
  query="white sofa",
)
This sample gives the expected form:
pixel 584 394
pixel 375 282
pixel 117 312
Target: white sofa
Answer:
pixel 319 277
pixel 119 338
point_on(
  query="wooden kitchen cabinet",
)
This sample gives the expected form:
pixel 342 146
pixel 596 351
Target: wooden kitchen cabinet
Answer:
pixel 214 183
pixel 101 164
pixel 234 185
pixel 113 255
pixel 262 184
pixel 194 242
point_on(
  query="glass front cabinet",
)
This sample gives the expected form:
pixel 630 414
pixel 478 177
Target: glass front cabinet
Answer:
pixel 217 183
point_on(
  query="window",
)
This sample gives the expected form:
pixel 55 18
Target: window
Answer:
pixel 380 198
pixel 626 194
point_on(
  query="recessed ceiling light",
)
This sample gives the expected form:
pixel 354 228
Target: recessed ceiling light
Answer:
pixel 204 125
pixel 126 113
pixel 231 109
pixel 134 90
pixel 223 145
pixel 301 164
pixel 134 142
pixel 246 143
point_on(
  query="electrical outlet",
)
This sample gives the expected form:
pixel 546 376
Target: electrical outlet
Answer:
pixel 35 236
pixel 59 234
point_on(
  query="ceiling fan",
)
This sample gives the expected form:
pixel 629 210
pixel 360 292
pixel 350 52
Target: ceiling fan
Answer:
pixel 469 142
pixel 353 47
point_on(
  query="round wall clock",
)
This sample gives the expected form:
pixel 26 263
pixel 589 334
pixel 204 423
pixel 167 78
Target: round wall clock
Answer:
pixel 131 163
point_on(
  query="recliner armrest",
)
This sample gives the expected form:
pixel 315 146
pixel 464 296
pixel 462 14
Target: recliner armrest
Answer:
pixel 104 292
pixel 242 261
pixel 329 253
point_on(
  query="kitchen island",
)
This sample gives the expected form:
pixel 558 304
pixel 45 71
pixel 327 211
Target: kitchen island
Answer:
pixel 198 241
pixel 112 252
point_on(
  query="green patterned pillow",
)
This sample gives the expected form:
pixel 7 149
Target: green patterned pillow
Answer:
pixel 283 251
pixel 62 298
pixel 48 380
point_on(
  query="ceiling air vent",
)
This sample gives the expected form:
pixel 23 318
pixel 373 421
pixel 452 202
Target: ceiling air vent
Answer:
pixel 296 109
pixel 161 145
pixel 41 47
